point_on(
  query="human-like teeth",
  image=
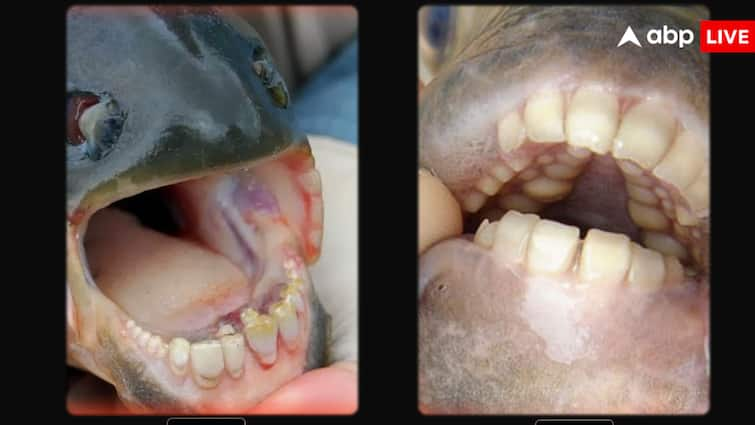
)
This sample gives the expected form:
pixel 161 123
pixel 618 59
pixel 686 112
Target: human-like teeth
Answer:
pixel 683 162
pixel 153 345
pixel 488 185
pixel 310 181
pixel 502 172
pixel 642 194
pixel 90 118
pixel 284 313
pixel 485 235
pixel 529 174
pixel 698 194
pixel 592 119
pixel 545 189
pixel 519 202
pixel 233 354
pixel 544 116
pixel 207 363
pixel 178 355
pixel 647 270
pixel 135 331
pixel 552 247
pixel 685 216
pixel 143 339
pixel 665 244
pixel 674 270
pixel 561 171
pixel 472 201
pixel 262 336
pixel 647 217
pixel 605 257
pixel 511 132
pixel 645 134
pixel 629 167
pixel 578 152
pixel 512 236
pixel 292 295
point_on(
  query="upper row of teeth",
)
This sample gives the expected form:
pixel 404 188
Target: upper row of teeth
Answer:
pixel 647 137
pixel 209 358
pixel 550 248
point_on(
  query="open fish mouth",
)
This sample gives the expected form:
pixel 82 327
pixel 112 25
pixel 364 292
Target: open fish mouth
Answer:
pixel 203 284
pixel 581 283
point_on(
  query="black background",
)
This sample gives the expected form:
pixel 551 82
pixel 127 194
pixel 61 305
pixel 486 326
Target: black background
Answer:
pixel 34 196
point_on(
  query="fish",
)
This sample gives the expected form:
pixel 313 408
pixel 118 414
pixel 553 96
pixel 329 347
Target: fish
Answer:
pixel 580 281
pixel 193 211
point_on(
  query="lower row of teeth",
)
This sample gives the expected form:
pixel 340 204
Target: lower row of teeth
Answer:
pixel 209 358
pixel 550 248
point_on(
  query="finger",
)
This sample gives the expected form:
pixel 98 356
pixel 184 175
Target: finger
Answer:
pixel 439 213
pixel 331 390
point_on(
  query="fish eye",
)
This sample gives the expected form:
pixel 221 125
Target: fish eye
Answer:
pixel 94 123
pixel 435 28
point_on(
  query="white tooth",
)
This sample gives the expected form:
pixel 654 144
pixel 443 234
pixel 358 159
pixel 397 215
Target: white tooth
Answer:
pixel 207 363
pixel 225 329
pixel 642 194
pixel 685 217
pixel 178 355
pixel 547 190
pixel 512 236
pixel 134 332
pixel 647 270
pixel 697 194
pixel 89 119
pixel 511 132
pixel 310 181
pixel 665 244
pixel 502 172
pixel 485 235
pixel 552 247
pixel 519 202
pixel 645 134
pixel 162 350
pixel 647 217
pixel 592 119
pixel 262 336
pixel 544 116
pixel 288 324
pixel 143 339
pixel 130 325
pixel 292 295
pixel 233 354
pixel 629 167
pixel 605 257
pixel 473 201
pixel 153 344
pixel 315 210
pixel 561 171
pixel 683 162
pixel 545 159
pixel 488 185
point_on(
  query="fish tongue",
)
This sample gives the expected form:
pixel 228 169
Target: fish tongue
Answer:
pixel 168 285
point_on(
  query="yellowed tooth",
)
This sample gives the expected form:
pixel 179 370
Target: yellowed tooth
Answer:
pixel 178 355
pixel 473 200
pixel 552 247
pixel 262 337
pixel 674 271
pixel 645 134
pixel 502 172
pixel 647 271
pixel 512 236
pixel 605 257
pixel 592 119
pixel 647 217
pixel 248 316
pixel 545 189
pixel 683 162
pixel 642 194
pixel 233 354
pixel 511 132
pixel 488 185
pixel 291 294
pixel 519 202
pixel 665 244
pixel 310 181
pixel 153 344
pixel 685 217
pixel 544 116
pixel 207 363
pixel 288 324
pixel 697 194
pixel 561 171
pixel 485 234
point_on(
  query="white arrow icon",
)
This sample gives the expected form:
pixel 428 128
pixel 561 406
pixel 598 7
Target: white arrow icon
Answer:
pixel 629 37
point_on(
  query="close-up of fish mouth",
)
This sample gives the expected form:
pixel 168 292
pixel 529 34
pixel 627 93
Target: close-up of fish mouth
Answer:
pixel 580 283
